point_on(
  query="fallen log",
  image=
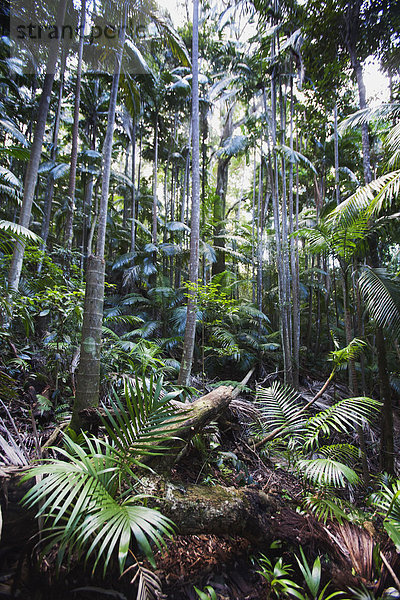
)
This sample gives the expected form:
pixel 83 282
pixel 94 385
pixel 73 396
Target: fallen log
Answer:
pixel 262 517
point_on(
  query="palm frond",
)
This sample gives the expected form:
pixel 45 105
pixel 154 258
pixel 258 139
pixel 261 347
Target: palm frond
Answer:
pixel 149 587
pixel 10 127
pixel 392 143
pixel 387 501
pixel 382 296
pixel 352 351
pixel 9 177
pixel 79 497
pixel 279 405
pixel 342 452
pixel 295 157
pixel 17 231
pixel 325 508
pixel 369 199
pixel 365 115
pixel 172 38
pixel 15 152
pixel 327 472
pixel 125 319
pixel 145 423
pixel 341 417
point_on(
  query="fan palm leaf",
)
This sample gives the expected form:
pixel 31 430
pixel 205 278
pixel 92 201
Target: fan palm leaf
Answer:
pixel 327 472
pixel 79 496
pixel 279 405
pixel 382 297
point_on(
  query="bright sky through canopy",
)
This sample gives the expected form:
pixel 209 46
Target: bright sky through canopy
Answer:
pixel 376 83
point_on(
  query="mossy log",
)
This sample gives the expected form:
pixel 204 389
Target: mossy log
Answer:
pixel 262 517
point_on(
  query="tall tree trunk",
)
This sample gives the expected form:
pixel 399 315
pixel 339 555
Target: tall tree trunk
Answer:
pixel 75 138
pixel 133 206
pixel 253 231
pixel 282 285
pixel 88 379
pixel 190 330
pixel 48 197
pixel 220 195
pixel 336 152
pixel 353 383
pixel 155 184
pixel 387 458
pixel 31 175
pixel 153 276
pixel 387 437
pixel 294 275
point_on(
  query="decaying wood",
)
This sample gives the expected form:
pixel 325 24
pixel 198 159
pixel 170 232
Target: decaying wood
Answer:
pixel 246 512
pixel 199 414
pixel 259 516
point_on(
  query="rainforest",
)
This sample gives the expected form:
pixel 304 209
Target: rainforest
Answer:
pixel 200 299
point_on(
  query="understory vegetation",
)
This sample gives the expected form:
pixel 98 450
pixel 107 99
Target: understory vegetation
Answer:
pixel 200 301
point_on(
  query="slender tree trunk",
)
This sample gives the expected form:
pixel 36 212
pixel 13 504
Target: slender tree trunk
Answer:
pixel 153 276
pixel 75 139
pixel 282 283
pixel 387 437
pixel 387 458
pixel 34 158
pixel 253 231
pixel 48 197
pixel 353 384
pixel 133 206
pixel 88 379
pixel 190 330
pixel 155 184
pixel 294 258
pixel 336 152
pixel 219 202
pixel 260 237
pixel 126 207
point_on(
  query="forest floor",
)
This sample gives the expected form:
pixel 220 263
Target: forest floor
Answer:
pixel 227 563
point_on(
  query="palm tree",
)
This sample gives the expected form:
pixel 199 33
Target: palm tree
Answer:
pixel 88 379
pixel 75 133
pixel 34 158
pixel 190 329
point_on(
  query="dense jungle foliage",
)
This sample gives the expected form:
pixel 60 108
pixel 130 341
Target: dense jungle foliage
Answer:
pixel 200 298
